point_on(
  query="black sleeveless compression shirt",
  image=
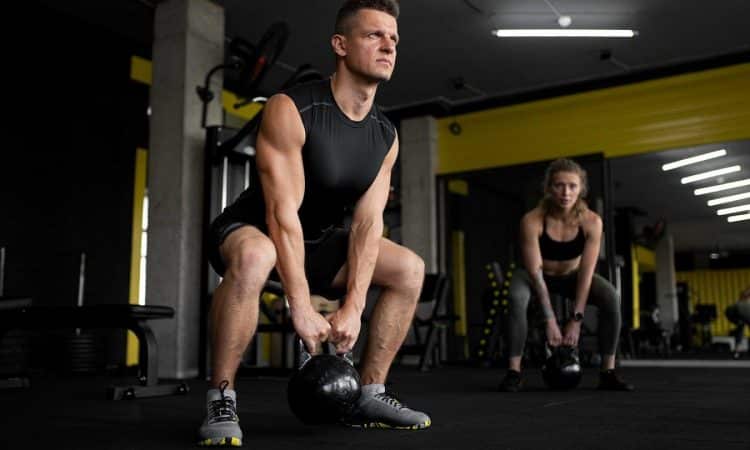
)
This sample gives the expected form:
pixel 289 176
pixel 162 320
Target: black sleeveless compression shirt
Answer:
pixel 560 250
pixel 341 159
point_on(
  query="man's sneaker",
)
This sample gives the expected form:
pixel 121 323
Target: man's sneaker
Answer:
pixel 511 382
pixel 222 426
pixel 377 408
pixel 609 381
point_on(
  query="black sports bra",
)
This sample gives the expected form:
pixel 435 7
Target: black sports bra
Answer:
pixel 560 250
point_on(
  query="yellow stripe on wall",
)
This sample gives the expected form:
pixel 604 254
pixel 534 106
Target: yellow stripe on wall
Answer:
pixel 646 258
pixel 635 278
pixel 460 187
pixel 674 112
pixel 247 112
pixel 459 285
pixel 140 70
pixel 716 287
pixel 139 192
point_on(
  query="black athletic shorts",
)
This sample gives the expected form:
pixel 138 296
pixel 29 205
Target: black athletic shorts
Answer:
pixel 324 256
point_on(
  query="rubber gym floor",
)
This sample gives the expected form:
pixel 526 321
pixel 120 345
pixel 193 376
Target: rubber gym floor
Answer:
pixel 672 408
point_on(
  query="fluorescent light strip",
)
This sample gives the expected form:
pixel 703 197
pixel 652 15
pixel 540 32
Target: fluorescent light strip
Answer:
pixel 722 187
pixel 710 174
pixel 732 210
pixel 694 159
pixel 729 199
pixel 555 32
pixel 739 218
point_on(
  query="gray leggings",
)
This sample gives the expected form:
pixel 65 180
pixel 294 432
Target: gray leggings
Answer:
pixel 601 294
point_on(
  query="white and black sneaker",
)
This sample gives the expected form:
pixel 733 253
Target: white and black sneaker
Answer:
pixel 377 408
pixel 221 428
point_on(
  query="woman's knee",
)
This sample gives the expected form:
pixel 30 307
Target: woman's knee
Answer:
pixel 519 293
pixel 604 295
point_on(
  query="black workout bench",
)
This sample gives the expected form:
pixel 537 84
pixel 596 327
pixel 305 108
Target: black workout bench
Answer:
pixel 132 317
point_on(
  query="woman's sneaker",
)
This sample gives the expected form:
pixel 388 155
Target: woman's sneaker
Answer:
pixel 511 382
pixel 609 381
pixel 221 428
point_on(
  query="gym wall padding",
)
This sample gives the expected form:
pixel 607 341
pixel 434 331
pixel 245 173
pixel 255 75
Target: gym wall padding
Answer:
pixel 679 111
pixel 716 287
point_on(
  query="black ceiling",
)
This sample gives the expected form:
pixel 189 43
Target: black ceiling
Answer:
pixel 444 40
pixel 640 183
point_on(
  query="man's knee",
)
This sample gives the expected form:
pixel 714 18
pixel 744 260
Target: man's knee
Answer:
pixel 251 259
pixel 416 269
pixel 411 272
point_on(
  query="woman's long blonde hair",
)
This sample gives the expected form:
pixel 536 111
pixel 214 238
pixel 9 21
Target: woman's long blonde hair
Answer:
pixel 564 165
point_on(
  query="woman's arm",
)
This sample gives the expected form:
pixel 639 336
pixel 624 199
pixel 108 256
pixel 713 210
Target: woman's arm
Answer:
pixel 593 231
pixel 532 260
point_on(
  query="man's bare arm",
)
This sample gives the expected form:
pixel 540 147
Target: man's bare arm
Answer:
pixel 366 231
pixel 279 159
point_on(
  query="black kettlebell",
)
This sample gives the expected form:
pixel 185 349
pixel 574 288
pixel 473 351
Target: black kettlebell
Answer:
pixel 562 369
pixel 324 388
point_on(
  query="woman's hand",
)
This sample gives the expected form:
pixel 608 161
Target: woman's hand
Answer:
pixel 553 333
pixel 572 332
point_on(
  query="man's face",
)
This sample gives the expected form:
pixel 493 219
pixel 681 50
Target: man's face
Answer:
pixel 370 44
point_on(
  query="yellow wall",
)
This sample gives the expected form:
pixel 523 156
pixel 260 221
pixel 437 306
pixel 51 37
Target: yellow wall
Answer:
pixel 674 112
pixel 718 287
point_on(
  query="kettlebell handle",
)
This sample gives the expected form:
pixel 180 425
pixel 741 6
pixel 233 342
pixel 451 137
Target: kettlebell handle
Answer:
pixel 327 347
pixel 548 349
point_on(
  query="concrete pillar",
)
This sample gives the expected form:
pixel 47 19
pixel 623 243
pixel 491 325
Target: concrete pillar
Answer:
pixel 188 42
pixel 418 140
pixel 666 283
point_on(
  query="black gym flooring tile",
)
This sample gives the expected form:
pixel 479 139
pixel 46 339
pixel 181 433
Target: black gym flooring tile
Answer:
pixel 671 409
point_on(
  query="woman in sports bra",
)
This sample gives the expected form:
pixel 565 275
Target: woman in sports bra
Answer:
pixel 560 241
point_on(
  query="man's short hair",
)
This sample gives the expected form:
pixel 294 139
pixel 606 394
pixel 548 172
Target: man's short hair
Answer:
pixel 351 7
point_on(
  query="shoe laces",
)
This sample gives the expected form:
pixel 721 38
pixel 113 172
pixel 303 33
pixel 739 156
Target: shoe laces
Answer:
pixel 390 399
pixel 223 409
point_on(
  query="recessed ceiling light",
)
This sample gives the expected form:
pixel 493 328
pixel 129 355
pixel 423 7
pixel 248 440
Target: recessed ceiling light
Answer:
pixel 722 187
pixel 694 159
pixel 567 32
pixel 728 199
pixel 732 210
pixel 740 218
pixel 710 174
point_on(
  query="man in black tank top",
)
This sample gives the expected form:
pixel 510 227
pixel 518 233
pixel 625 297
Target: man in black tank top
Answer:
pixel 324 150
